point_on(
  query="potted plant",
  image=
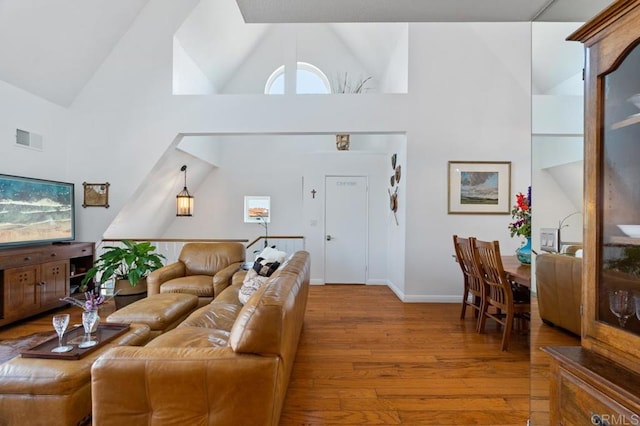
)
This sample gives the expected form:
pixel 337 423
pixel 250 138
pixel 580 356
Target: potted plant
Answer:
pixel 129 266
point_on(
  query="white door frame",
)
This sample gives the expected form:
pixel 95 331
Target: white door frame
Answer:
pixel 366 219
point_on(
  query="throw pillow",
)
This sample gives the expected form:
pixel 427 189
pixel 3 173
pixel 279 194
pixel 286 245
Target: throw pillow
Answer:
pixel 271 254
pixel 264 267
pixel 251 283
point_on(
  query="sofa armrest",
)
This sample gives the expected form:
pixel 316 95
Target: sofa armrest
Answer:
pixel 184 386
pixel 168 272
pixel 222 278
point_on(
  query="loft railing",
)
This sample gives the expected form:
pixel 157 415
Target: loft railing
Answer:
pixel 286 243
pixel 169 247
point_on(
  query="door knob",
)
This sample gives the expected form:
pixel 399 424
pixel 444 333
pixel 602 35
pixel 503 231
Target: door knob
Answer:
pixel 328 237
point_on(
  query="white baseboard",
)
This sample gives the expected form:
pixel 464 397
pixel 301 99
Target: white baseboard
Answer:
pixel 414 298
pixel 418 298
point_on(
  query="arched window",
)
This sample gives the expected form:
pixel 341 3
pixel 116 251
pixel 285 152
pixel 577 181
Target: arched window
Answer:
pixel 275 82
pixel 309 80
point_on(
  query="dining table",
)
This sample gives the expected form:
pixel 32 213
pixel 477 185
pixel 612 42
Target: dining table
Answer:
pixel 517 272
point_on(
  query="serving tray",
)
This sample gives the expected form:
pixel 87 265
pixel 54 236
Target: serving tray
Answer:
pixel 106 332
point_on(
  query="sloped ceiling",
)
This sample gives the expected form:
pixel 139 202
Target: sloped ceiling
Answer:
pixel 217 39
pixel 51 48
pixel 553 59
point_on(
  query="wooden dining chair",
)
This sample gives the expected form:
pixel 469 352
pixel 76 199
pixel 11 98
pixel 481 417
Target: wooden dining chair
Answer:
pixel 498 292
pixel 472 276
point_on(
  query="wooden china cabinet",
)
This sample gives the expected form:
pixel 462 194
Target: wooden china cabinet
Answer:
pixel 599 382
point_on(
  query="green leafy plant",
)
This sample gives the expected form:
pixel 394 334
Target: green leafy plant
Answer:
pixel 628 263
pixel 133 261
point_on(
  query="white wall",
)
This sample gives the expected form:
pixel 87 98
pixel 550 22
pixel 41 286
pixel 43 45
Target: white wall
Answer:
pixel 469 89
pixel 396 230
pixel 469 99
pixel 22 110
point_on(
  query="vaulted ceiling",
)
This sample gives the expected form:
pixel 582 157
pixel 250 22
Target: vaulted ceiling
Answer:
pixel 52 48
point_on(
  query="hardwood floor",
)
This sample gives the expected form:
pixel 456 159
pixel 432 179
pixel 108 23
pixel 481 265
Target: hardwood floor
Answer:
pixel 366 358
pixel 543 335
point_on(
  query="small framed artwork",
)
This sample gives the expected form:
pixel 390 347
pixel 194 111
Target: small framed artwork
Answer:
pixel 479 187
pixel 257 209
pixel 96 194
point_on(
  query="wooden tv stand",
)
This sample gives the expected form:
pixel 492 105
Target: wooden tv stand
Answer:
pixel 34 278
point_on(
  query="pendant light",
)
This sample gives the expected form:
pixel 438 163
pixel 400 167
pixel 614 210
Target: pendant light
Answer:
pixel 184 200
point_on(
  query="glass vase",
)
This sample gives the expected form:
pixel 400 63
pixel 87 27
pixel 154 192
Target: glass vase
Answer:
pixel 523 253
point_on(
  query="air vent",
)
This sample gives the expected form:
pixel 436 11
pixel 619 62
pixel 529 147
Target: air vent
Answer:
pixel 28 140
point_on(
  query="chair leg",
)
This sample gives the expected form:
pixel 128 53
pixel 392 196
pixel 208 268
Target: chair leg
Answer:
pixel 483 317
pixel 506 334
pixel 465 296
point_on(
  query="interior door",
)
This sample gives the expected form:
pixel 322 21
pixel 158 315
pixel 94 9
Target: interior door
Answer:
pixel 346 230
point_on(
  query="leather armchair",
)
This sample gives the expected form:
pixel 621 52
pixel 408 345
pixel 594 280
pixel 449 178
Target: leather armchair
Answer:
pixel 559 290
pixel 202 269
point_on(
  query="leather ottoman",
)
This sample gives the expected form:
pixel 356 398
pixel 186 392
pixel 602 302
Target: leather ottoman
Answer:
pixel 39 391
pixel 161 312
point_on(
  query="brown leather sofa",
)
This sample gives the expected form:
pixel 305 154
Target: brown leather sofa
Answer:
pixel 559 290
pixel 226 364
pixel 202 269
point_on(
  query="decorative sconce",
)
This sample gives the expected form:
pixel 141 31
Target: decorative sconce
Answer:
pixel 184 200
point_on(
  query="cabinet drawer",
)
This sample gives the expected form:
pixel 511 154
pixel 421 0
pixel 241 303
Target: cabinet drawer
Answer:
pixel 56 252
pixel 580 404
pixel 22 259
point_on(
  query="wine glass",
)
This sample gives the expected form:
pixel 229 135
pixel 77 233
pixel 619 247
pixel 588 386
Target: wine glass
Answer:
pixel 89 319
pixel 622 305
pixel 60 323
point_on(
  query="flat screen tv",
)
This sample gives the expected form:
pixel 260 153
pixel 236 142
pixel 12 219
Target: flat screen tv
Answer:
pixel 34 211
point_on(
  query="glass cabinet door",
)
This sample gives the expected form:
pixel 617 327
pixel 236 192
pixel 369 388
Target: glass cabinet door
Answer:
pixel 618 290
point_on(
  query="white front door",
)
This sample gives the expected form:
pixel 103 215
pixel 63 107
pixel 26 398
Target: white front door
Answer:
pixel 346 218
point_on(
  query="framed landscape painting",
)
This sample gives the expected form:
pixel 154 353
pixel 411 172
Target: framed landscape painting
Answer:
pixel 479 187
pixel 257 209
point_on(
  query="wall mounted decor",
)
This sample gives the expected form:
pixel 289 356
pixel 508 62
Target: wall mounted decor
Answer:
pixel 343 142
pixel 479 187
pixel 96 194
pixel 393 203
pixel 257 209
pixel 394 180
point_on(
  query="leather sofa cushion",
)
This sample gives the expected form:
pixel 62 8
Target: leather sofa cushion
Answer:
pixel 191 337
pixel 160 312
pixel 214 315
pixel 198 285
pixel 208 258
